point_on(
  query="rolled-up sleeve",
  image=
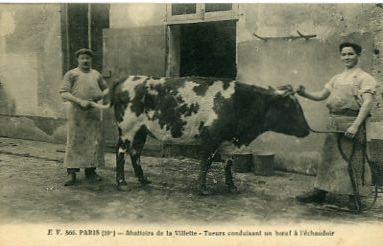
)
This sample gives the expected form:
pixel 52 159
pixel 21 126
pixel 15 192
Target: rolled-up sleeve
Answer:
pixel 368 85
pixel 66 84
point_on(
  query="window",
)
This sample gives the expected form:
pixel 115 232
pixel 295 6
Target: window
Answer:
pixel 178 13
pixel 181 8
pixel 212 7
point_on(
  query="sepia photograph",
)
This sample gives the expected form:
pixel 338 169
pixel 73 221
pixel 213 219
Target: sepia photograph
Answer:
pixel 168 123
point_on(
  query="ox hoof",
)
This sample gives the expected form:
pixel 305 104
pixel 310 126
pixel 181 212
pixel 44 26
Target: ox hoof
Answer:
pixel 233 189
pixel 71 181
pixel 123 188
pixel 204 192
pixel 144 181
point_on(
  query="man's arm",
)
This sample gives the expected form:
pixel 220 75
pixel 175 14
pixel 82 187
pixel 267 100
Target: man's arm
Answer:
pixel 69 97
pixel 104 88
pixel 368 102
pixel 65 92
pixel 315 96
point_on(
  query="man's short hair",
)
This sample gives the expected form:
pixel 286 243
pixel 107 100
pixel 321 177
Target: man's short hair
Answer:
pixel 84 51
pixel 357 48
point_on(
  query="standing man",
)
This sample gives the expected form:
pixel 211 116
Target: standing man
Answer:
pixel 350 96
pixel 80 87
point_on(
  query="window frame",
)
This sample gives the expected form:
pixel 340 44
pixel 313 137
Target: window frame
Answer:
pixel 201 15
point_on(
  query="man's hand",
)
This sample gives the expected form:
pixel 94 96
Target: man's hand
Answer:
pixel 301 90
pixel 85 104
pixel 351 131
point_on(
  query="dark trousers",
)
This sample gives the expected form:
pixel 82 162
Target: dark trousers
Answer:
pixel 74 170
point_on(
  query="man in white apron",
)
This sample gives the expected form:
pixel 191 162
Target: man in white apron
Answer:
pixel 82 86
pixel 350 97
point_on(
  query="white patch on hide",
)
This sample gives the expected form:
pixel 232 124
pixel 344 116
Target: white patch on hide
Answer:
pixel 152 82
pixel 129 85
pixel 205 112
pixel 131 123
pixel 151 114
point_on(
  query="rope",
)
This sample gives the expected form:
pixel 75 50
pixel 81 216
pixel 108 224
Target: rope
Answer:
pixel 357 198
pixel 351 172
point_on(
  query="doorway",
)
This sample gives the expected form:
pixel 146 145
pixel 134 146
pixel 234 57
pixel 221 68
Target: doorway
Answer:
pixel 205 49
pixel 82 27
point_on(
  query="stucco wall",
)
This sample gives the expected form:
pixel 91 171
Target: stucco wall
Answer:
pixel 308 62
pixel 328 21
pixel 31 58
pixel 136 15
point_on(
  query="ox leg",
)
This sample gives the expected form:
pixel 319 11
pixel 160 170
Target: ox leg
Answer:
pixel 136 163
pixel 229 177
pixel 204 168
pixel 135 154
pixel 120 163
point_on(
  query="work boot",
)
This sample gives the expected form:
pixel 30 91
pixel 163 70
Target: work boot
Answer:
pixel 315 196
pixel 71 180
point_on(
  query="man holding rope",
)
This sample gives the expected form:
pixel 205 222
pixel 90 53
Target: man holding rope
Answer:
pixel 350 95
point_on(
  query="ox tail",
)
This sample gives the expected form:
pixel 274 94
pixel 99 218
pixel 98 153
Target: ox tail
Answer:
pixel 151 134
pixel 101 106
pixel 111 97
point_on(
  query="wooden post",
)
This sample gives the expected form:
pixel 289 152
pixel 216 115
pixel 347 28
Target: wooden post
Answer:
pixel 89 26
pixel 173 51
pixel 67 37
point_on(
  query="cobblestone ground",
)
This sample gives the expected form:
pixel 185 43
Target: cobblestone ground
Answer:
pixel 31 190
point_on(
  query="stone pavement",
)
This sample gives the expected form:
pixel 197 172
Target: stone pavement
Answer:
pixel 31 190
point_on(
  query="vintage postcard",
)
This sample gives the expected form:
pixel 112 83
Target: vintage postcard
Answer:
pixel 191 123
